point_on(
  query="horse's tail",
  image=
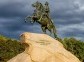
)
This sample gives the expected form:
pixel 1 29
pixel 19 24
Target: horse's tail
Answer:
pixel 54 32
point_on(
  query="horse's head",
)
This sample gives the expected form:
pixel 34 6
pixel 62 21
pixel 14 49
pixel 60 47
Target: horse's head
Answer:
pixel 38 6
pixel 35 4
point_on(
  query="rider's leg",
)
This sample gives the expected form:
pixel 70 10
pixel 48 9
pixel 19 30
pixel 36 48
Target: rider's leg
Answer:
pixel 50 30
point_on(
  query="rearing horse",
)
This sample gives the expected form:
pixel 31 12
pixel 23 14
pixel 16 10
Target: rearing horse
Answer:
pixel 42 19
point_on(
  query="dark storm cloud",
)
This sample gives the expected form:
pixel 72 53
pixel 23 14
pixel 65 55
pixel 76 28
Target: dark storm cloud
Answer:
pixel 15 8
pixel 12 10
pixel 75 30
pixel 67 15
pixel 74 33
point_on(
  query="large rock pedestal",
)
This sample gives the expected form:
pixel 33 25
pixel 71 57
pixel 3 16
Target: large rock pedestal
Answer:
pixel 43 48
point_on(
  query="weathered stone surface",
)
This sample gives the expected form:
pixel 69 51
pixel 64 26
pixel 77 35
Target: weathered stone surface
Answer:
pixel 43 48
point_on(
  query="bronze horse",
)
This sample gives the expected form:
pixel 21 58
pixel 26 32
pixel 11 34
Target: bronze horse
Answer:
pixel 39 17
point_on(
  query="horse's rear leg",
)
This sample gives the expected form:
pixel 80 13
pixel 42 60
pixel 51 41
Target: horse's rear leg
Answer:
pixel 50 32
pixel 43 29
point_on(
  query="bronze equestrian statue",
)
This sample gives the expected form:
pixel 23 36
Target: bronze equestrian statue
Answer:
pixel 41 16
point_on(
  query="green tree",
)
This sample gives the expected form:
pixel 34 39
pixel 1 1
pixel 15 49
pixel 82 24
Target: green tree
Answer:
pixel 76 47
pixel 9 48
